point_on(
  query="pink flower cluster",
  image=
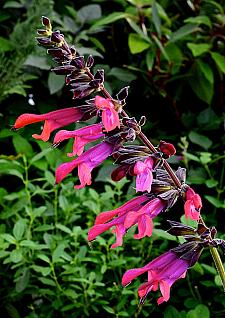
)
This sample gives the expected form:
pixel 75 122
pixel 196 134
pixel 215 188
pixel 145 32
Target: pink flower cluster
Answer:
pixel 141 210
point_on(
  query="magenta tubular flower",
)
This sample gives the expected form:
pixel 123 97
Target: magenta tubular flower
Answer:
pixel 192 205
pixel 85 163
pixel 110 116
pixel 143 170
pixel 53 120
pixel 139 211
pixel 81 137
pixel 163 271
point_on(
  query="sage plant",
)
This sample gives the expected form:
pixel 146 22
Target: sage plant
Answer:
pixel 158 186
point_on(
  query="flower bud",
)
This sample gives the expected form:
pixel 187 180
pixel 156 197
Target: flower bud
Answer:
pixel 90 61
pixel 99 75
pixel 78 62
pixel 57 37
pixel 46 22
pixel 123 93
pixel 167 149
pixel 44 41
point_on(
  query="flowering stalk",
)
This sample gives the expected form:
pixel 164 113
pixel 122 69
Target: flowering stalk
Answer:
pixel 159 188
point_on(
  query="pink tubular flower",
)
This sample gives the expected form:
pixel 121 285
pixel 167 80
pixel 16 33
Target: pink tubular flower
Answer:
pixel 163 271
pixel 53 120
pixel 192 205
pixel 139 211
pixel 110 116
pixel 81 137
pixel 85 163
pixel 143 170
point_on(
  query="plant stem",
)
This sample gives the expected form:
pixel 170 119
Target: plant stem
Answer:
pixel 218 264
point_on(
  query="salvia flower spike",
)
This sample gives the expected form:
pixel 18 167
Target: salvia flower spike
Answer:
pixel 158 185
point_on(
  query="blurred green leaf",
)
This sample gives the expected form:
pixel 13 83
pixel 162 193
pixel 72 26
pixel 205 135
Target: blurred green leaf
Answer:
pixel 199 48
pixel 55 82
pixel 219 60
pixel 137 44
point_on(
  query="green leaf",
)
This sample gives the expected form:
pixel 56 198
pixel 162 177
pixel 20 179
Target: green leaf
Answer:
pixel 219 60
pixel 47 281
pixel 138 30
pixel 183 32
pixel 202 81
pixel 200 140
pixel 201 19
pixel 16 256
pixel 198 49
pixel 206 70
pixel 55 83
pixel 89 13
pixel 19 229
pixel 63 228
pixel 44 258
pixel 211 183
pixel 23 280
pixel 22 146
pixel 156 19
pixel 40 155
pixel 214 201
pixel 9 238
pixel 160 46
pixel 5 45
pixel 13 4
pixel 199 311
pixel 108 309
pixel 137 44
pixel 45 271
pixel 111 18
pixel 171 312
pixel 205 157
pixel 37 61
pixel 164 235
pixel 122 74
pixel 150 57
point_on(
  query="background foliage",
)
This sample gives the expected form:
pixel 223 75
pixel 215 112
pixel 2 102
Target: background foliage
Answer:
pixel 171 53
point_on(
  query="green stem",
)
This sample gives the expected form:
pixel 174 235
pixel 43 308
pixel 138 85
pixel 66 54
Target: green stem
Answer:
pixel 218 264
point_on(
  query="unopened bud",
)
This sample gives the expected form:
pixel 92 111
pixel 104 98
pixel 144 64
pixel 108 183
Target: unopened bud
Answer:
pixel 167 149
pixel 57 37
pixel 46 22
pixel 90 61
pixel 99 75
pixel 78 62
pixel 44 41
pixel 123 93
